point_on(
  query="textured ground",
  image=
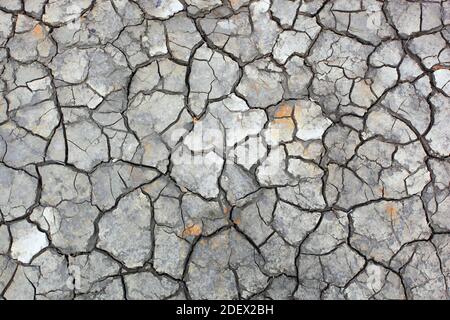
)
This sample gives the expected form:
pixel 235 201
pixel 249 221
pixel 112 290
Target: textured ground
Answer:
pixel 155 149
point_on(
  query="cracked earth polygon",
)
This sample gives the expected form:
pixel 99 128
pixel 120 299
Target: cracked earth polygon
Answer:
pixel 224 149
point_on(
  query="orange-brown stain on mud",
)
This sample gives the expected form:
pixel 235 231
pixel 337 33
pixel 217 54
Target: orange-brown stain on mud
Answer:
pixel 284 123
pixel 306 151
pixel 192 230
pixel 257 87
pixel 440 67
pixel 237 221
pixel 365 89
pixel 38 31
pixel 283 111
pixel 217 243
pixel 392 211
pixel 148 148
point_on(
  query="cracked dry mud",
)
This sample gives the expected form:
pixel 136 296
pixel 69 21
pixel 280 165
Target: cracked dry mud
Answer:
pixel 224 149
